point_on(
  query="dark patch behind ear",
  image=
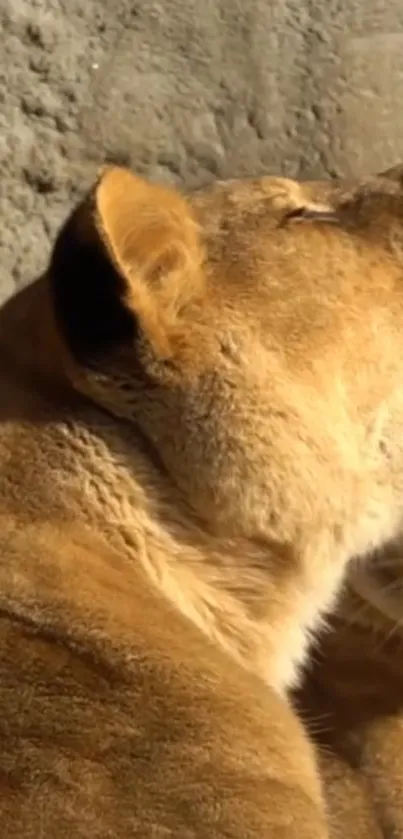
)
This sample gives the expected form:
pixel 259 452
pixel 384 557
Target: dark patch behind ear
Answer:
pixel 88 294
pixel 395 173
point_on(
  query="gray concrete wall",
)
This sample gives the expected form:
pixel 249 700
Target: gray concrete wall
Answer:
pixel 186 90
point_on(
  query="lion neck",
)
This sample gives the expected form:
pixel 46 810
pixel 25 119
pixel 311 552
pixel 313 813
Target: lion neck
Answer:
pixel 242 594
pixel 247 597
pixel 220 584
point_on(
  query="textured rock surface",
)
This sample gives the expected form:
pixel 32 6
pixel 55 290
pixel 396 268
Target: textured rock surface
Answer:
pixel 186 90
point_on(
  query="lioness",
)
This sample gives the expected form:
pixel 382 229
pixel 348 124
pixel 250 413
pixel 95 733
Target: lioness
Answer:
pixel 200 427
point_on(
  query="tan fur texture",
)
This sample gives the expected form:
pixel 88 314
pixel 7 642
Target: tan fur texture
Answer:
pixel 352 698
pixel 199 429
pixel 352 702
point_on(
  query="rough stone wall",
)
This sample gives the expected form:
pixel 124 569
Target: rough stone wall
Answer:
pixel 186 90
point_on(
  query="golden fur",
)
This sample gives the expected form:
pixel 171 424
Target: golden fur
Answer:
pixel 352 701
pixel 352 697
pixel 199 429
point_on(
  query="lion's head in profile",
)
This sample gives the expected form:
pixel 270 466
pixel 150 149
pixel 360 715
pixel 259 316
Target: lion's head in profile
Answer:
pixel 200 427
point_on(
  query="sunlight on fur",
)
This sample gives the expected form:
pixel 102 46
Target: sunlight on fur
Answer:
pixel 200 434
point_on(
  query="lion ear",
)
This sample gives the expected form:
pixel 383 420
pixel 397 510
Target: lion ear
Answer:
pixel 127 260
